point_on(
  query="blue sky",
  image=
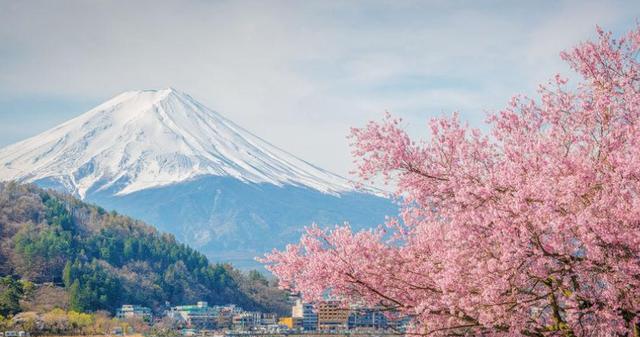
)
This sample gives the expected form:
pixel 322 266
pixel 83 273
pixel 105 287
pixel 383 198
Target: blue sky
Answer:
pixel 297 73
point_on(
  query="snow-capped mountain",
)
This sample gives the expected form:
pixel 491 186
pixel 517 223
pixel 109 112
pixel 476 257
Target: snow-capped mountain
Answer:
pixel 151 138
pixel 161 156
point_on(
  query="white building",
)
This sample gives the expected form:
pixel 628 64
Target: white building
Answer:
pixel 307 313
pixel 128 311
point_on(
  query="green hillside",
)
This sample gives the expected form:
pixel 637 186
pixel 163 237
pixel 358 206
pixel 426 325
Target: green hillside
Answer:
pixel 89 259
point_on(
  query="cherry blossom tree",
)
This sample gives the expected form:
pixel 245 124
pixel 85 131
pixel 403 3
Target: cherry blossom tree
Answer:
pixel 531 229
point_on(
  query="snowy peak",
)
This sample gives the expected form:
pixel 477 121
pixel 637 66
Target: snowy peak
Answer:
pixel 151 138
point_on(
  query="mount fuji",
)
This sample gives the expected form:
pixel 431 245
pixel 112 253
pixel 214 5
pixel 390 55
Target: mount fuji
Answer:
pixel 163 157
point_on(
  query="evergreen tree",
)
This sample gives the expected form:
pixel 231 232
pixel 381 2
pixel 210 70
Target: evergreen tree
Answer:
pixel 75 297
pixel 11 292
pixel 104 259
pixel 67 274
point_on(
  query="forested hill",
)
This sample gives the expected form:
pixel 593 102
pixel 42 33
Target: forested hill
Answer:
pixel 102 260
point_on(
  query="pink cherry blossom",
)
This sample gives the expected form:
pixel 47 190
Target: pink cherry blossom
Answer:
pixel 531 229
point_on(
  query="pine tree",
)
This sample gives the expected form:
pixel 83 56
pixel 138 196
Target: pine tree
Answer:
pixel 75 297
pixel 11 292
pixel 67 274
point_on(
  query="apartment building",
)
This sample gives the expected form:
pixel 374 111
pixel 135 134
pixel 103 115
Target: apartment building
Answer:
pixel 332 316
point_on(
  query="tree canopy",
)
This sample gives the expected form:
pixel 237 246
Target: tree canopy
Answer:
pixel 104 260
pixel 532 228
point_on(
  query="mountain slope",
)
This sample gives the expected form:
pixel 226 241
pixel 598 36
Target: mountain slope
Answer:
pixel 103 260
pixel 235 222
pixel 162 157
pixel 144 139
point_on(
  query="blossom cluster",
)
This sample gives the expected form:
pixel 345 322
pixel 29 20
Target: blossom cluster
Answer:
pixel 532 228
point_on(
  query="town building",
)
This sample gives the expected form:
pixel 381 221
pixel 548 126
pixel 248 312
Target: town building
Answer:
pixel 224 319
pixel 250 320
pixel 332 316
pixel 129 311
pixel 306 313
pixel 199 316
pixel 244 321
pixel 292 323
pixel 268 319
pixel 361 318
